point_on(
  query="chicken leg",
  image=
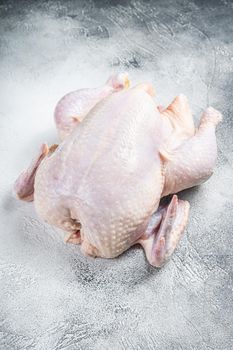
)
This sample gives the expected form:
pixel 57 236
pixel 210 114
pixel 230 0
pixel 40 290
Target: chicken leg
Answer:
pixel 193 162
pixel 74 106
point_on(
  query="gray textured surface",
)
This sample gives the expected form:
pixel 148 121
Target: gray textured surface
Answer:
pixel 51 297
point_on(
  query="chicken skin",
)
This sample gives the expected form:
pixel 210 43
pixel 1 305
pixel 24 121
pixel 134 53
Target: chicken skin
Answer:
pixel 119 155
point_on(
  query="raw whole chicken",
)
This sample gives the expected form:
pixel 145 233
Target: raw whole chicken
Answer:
pixel 119 155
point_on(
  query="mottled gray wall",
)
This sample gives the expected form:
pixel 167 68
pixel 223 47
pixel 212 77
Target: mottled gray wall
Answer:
pixel 52 297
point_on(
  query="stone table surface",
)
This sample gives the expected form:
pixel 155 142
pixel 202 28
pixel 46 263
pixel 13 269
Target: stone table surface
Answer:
pixel 51 296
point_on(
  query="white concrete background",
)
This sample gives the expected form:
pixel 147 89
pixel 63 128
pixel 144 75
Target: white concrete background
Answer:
pixel 52 297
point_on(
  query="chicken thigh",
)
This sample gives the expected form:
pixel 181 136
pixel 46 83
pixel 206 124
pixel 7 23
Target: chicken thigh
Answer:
pixel 120 153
